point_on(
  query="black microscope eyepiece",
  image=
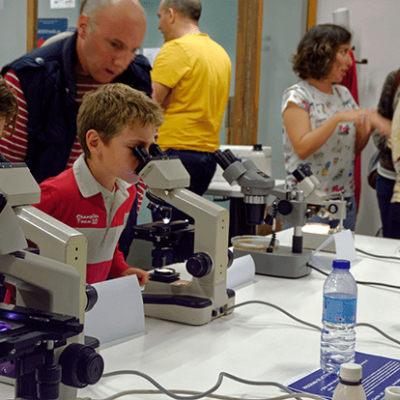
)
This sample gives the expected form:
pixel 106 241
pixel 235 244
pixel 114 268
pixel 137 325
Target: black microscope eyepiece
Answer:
pixel 143 157
pixel 155 150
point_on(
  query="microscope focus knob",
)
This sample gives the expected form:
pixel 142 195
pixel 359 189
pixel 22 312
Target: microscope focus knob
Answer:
pixel 199 265
pixel 333 208
pixel 309 213
pixel 285 207
pixel 81 365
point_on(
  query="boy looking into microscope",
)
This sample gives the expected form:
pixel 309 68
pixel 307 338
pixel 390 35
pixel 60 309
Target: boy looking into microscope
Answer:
pixel 96 194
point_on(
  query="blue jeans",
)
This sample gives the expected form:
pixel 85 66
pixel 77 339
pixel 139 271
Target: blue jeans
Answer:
pixel 384 191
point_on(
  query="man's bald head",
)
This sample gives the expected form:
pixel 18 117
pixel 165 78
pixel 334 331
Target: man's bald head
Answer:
pixel 92 8
pixel 109 34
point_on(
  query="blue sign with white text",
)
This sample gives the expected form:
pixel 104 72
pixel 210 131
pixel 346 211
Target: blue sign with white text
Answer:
pixel 378 374
pixel 48 27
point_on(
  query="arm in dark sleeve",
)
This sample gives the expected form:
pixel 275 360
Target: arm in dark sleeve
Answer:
pixel 385 108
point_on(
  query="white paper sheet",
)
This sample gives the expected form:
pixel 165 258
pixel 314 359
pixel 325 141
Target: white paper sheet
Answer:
pixel 344 244
pixel 119 311
pixel 240 272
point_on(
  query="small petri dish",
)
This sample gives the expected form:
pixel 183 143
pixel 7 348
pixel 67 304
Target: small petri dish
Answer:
pixel 252 242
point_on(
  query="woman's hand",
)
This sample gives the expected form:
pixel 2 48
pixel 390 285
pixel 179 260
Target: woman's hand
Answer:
pixel 382 124
pixel 357 116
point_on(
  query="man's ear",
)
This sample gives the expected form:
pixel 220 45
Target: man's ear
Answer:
pixel 171 13
pixel 83 25
pixel 94 142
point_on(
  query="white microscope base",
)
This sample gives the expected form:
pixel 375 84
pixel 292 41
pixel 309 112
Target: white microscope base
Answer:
pixel 282 262
pixel 201 314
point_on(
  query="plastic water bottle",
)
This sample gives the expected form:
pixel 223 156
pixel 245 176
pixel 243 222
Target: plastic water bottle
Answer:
pixel 258 157
pixel 349 387
pixel 338 337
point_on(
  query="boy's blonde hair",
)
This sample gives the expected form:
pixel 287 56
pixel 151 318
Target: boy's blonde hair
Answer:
pixel 112 107
pixel 8 108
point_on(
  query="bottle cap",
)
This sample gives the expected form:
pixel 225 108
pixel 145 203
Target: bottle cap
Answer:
pixel 341 264
pixel 257 147
pixel 351 372
pixel 392 393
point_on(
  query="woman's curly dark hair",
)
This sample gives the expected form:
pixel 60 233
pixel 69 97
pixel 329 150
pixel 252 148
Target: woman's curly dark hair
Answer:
pixel 317 50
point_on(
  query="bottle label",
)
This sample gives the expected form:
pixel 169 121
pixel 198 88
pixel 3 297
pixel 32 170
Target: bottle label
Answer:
pixel 339 311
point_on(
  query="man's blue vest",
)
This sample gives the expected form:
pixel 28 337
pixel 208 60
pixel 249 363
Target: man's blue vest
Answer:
pixel 47 77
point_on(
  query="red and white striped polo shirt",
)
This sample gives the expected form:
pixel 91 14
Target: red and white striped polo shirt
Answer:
pixel 75 198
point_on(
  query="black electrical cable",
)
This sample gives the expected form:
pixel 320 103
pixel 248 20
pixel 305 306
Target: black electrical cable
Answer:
pixel 378 255
pixel 359 282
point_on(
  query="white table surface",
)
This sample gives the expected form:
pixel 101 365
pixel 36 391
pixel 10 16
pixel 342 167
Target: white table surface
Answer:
pixel 256 342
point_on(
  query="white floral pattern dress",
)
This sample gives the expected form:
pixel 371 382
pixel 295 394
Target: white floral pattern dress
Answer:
pixel 333 163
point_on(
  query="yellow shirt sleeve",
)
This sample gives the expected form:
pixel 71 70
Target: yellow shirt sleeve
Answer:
pixel 171 65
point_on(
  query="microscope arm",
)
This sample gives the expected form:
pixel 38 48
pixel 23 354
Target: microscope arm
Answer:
pixel 211 227
pixel 42 283
pixel 206 296
pixel 56 241
pixel 46 285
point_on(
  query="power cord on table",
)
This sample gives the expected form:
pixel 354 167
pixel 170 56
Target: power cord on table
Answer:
pixel 222 397
pixel 308 323
pixel 265 303
pixel 360 282
pixel 378 256
pixel 193 395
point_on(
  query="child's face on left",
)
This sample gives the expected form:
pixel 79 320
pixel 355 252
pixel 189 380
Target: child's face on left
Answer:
pixel 118 158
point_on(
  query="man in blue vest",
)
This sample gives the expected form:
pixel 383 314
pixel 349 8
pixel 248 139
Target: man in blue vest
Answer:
pixel 50 82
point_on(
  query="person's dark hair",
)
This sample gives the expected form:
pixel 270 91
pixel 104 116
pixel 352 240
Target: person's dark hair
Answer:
pixel 317 49
pixel 8 108
pixel 188 8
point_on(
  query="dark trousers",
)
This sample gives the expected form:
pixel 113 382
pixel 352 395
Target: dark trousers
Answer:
pixel 126 238
pixel 201 167
pixel 384 192
pixel 394 221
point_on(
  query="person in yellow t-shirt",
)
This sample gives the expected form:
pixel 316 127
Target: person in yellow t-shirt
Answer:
pixel 191 81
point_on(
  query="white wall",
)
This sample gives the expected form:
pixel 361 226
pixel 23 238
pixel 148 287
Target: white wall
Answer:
pixel 12 30
pixel 13 19
pixel 284 24
pixel 374 26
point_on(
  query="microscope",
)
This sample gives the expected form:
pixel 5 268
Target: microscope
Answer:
pixel 42 350
pixel 206 296
pixel 291 207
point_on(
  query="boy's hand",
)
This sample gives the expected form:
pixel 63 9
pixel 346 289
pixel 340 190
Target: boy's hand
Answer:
pixel 142 275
